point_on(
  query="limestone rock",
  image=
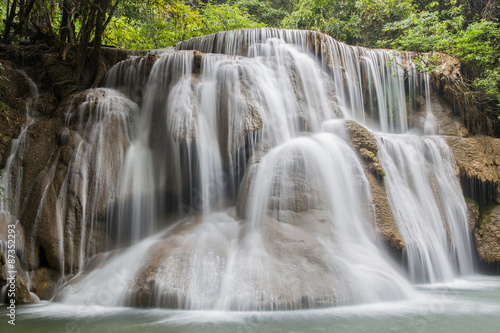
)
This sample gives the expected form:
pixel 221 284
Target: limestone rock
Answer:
pixel 477 157
pixel 296 256
pixel 445 121
pixel 488 235
pixel 365 144
pixel 23 295
pixel 45 282
pixel 472 214
pixel 236 124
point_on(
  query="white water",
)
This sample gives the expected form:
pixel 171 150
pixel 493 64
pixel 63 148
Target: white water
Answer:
pixel 430 123
pixel 463 306
pixel 428 206
pixel 277 209
pixel 383 73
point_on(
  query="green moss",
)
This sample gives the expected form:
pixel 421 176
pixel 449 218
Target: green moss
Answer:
pixel 381 171
pixel 486 215
pixel 367 154
pixel 472 201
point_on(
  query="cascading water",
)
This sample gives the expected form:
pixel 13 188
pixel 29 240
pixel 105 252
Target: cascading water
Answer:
pixel 428 205
pixel 430 123
pixel 242 149
pixel 382 71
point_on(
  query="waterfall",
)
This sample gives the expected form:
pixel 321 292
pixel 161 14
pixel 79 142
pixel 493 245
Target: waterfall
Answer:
pixel 430 123
pixel 382 70
pixel 220 176
pixel 428 205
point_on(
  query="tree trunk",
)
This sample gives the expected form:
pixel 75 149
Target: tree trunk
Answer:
pixel 24 17
pixel 10 18
pixel 65 22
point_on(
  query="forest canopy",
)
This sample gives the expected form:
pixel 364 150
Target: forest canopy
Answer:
pixel 466 29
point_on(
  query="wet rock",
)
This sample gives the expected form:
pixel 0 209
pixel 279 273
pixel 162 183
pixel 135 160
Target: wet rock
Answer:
pixel 445 121
pixel 472 214
pixel 44 282
pixel 21 292
pixel 477 157
pixel 365 144
pixel 44 105
pixel 487 235
pixel 168 277
pixel 23 295
pixel 294 190
pixel 240 114
pixel 131 76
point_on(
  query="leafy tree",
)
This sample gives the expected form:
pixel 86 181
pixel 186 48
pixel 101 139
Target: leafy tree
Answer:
pixel 358 22
pixel 443 27
pixel 270 13
pixel 166 23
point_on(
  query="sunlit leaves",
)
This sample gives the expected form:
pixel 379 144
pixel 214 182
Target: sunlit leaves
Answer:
pixel 164 23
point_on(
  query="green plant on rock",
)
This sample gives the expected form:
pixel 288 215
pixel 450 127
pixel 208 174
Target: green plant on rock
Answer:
pixel 427 64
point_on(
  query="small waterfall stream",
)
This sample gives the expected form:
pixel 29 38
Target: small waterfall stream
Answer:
pixel 228 179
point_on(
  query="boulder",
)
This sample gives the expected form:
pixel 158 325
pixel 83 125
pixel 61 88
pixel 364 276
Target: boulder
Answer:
pixel 168 277
pixel 23 295
pixel 44 282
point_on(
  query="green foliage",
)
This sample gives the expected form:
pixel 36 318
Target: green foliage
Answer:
pixel 328 16
pixel 265 12
pixel 3 80
pixel 165 23
pixel 466 29
pixel 479 43
pixel 425 31
pixel 374 14
pixel 225 17
pixel 489 84
pixel 443 27
pixel 356 22
pixel 427 64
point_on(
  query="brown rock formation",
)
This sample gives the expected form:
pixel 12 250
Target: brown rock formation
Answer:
pixel 477 157
pixel 472 215
pixel 365 144
pixel 23 295
pixel 45 282
pixel 487 235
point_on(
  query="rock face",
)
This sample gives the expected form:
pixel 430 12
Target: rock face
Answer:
pixel 477 157
pixel 487 235
pixel 36 103
pixel 478 161
pixel 365 144
pixel 446 123
pixel 472 215
pixel 23 295
pixel 45 282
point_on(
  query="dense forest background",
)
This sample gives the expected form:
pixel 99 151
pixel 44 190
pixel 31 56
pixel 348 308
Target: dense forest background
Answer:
pixel 466 29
